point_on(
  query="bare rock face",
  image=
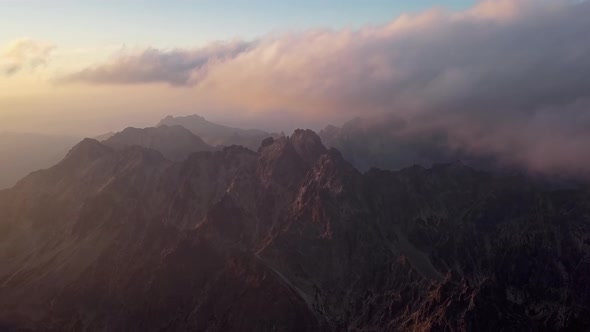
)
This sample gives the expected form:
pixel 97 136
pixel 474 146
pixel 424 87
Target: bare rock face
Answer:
pixel 119 237
pixel 308 145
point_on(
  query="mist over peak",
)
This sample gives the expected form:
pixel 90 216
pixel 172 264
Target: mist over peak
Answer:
pixel 507 79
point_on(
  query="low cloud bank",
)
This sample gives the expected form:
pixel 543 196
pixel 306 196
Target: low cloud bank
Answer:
pixel 176 67
pixel 509 78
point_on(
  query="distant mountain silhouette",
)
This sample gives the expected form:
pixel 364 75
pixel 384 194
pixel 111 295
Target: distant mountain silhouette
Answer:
pixel 104 136
pixel 22 153
pixel 288 238
pixel 174 142
pixel 219 135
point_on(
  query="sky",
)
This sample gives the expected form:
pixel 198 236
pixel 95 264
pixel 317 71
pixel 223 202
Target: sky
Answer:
pixel 83 32
pixel 503 77
pixel 88 30
pixel 180 23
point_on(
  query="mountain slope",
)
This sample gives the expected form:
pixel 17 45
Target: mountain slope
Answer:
pixel 289 238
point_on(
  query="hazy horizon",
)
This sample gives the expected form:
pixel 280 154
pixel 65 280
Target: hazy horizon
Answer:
pixel 499 77
pixel 45 41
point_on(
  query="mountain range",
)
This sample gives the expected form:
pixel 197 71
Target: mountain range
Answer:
pixel 23 153
pixel 363 143
pixel 216 134
pixel 287 237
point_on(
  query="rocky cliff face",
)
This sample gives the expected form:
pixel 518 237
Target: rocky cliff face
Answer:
pixel 288 238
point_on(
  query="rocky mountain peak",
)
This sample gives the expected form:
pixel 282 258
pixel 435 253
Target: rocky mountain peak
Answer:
pixel 86 151
pixel 308 145
pixel 280 163
pixel 266 142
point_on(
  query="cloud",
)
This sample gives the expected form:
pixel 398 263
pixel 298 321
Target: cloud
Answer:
pixel 508 77
pixel 24 54
pixel 175 67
